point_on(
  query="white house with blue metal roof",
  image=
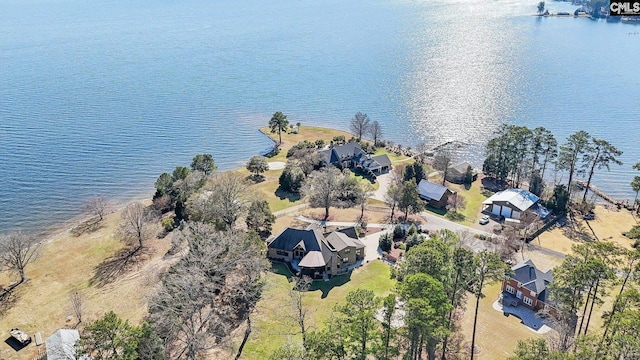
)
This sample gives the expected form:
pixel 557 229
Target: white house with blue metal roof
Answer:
pixel 511 203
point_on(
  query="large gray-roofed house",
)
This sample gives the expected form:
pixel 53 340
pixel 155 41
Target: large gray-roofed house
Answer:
pixel 314 254
pixel 350 155
pixel 436 195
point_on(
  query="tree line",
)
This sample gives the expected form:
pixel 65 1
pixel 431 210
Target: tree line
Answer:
pixel 520 154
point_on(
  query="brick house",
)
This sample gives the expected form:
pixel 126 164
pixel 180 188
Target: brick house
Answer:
pixel 527 286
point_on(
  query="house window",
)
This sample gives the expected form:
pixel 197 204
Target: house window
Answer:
pixel 344 260
pixel 282 253
pixel 510 289
pixel 357 252
pixel 347 251
pixel 527 301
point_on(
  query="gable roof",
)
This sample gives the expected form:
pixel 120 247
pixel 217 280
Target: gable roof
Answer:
pixel 532 278
pixel 290 238
pixel 341 152
pixel 460 168
pixel 313 259
pixel 431 191
pixel 521 199
pixel 349 231
pixel 340 241
pixel 60 345
pixel 382 160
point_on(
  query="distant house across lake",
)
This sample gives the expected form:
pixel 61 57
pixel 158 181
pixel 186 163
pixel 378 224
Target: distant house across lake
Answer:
pixel 351 156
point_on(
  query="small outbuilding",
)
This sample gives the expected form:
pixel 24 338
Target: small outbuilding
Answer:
pixel 458 172
pixel 436 195
pixel 61 345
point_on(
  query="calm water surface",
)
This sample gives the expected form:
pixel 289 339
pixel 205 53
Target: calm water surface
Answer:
pixel 100 98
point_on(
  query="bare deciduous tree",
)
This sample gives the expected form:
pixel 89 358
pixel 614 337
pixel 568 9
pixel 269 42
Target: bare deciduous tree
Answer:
pixel 375 130
pixel 137 225
pixel 77 302
pixel 209 292
pixel 97 206
pixel 228 199
pixel 456 202
pixel 394 192
pixel 364 191
pixel 300 311
pixel 17 250
pixel 323 188
pixel 442 161
pixel 359 124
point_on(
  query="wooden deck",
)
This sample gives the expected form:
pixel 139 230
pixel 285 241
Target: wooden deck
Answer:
pixel 582 184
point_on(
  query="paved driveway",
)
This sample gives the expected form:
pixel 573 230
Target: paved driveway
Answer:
pixel 384 180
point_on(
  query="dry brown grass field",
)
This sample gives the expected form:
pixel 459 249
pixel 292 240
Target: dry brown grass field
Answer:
pixel 608 225
pixel 496 335
pixel 67 262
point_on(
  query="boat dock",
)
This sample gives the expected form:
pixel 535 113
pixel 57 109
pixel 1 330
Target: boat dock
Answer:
pixel 582 184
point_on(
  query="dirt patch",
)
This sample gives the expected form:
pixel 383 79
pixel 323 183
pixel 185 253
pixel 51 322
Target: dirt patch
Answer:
pixel 277 165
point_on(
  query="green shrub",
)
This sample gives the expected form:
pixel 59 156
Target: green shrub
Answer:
pixel 168 224
pixel 338 140
pixel 413 240
pixel 412 230
pixel 398 232
pixel 454 216
pixel 291 178
pixel 304 144
pixel 385 242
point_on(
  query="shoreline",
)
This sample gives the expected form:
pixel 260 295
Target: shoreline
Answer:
pixel 55 231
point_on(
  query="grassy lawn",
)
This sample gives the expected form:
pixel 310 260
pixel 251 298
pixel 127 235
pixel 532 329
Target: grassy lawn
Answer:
pixel 273 324
pixel 392 156
pixel 474 199
pixel 607 226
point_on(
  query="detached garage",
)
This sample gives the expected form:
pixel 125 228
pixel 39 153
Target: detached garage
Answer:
pixel 511 203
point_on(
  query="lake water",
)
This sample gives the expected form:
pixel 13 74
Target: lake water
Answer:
pixel 98 98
